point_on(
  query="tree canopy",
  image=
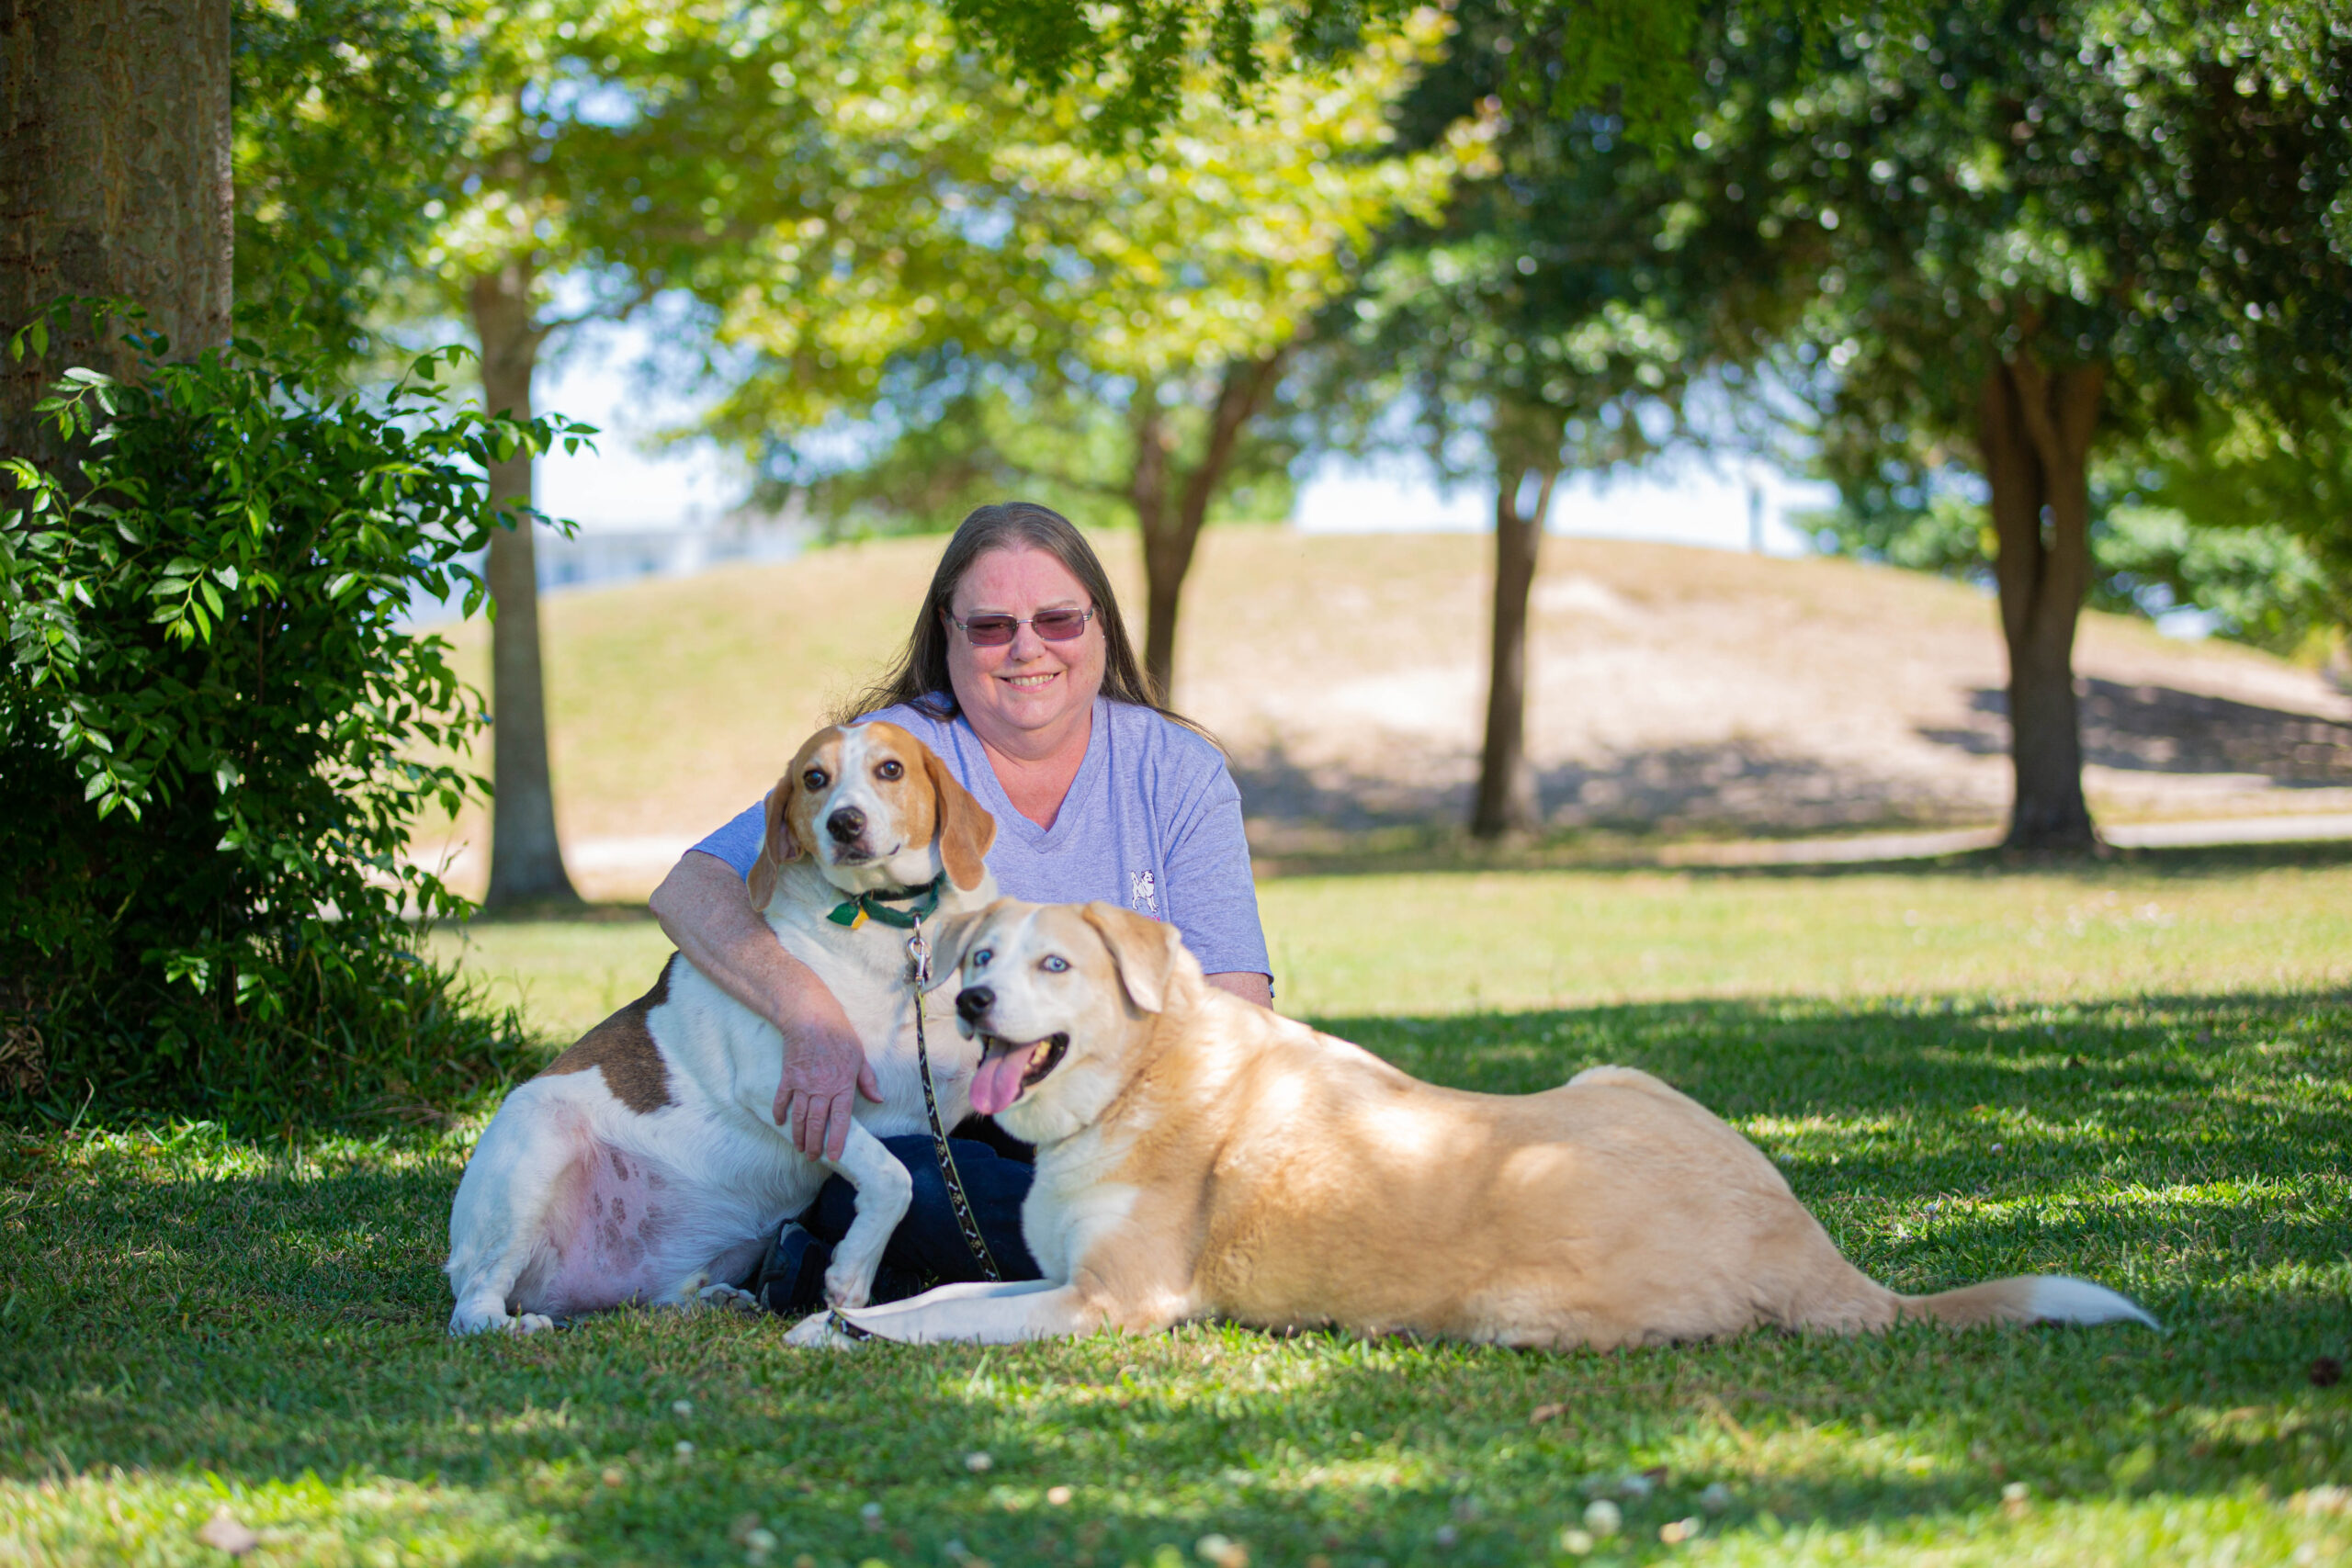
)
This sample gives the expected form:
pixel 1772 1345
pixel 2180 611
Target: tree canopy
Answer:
pixel 1162 283
pixel 2042 229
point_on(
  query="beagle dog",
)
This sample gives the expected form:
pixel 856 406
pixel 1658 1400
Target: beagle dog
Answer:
pixel 644 1163
pixel 1199 1158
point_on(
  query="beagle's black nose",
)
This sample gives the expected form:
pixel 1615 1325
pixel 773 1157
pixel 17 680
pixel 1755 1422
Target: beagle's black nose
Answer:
pixel 972 1001
pixel 845 825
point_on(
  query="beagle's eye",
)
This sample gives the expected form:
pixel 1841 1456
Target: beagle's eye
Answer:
pixel 814 779
pixel 981 958
pixel 890 769
pixel 1053 963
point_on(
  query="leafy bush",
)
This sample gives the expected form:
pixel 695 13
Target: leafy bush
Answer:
pixel 214 734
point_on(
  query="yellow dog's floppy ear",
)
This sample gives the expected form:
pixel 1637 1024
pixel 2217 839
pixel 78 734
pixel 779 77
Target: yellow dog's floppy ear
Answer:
pixel 1143 949
pixel 778 848
pixel 951 938
pixel 966 829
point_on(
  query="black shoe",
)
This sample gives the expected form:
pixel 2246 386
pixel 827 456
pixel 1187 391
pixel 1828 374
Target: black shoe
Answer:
pixel 792 1279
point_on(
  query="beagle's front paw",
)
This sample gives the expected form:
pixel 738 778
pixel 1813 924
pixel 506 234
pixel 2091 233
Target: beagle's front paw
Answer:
pixel 727 1298
pixel 849 1282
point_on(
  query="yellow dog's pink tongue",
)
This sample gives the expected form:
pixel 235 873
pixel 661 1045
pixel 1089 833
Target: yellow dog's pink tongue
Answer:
pixel 998 1083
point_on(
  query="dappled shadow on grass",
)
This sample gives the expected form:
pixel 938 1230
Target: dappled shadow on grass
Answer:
pixel 2187 862
pixel 2184 1138
pixel 1455 851
pixel 2155 728
pixel 1732 787
pixel 214 1307
pixel 574 911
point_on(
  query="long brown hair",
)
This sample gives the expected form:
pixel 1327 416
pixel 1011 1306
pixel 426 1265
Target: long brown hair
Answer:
pixel 919 676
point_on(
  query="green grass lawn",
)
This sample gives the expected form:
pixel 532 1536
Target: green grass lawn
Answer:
pixel 2142 1072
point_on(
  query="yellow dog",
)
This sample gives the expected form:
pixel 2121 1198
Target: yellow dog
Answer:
pixel 1200 1158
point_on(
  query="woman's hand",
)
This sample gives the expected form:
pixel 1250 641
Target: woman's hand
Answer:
pixel 703 907
pixel 823 1063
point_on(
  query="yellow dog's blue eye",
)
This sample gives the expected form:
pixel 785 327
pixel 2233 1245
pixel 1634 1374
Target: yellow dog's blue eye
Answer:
pixel 981 958
pixel 889 770
pixel 1053 963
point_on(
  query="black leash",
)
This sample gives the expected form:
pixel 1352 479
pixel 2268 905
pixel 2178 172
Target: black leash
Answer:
pixel 919 953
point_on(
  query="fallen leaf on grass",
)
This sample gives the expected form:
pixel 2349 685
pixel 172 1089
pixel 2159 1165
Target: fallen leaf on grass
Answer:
pixel 1222 1551
pixel 1542 1412
pixel 225 1533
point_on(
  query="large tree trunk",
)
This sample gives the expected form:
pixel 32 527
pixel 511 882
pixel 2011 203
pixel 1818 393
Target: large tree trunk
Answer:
pixel 2035 429
pixel 1506 801
pixel 114 181
pixel 525 860
pixel 1171 525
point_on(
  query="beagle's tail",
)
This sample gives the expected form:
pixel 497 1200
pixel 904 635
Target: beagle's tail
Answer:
pixel 2027 1298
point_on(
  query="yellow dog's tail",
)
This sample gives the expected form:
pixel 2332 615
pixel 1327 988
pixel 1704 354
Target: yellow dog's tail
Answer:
pixel 2027 1298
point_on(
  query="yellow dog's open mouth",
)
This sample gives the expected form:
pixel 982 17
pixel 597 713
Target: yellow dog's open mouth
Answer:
pixel 1007 1069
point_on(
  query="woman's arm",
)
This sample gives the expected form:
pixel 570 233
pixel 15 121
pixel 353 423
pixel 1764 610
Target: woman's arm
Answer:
pixel 704 908
pixel 1249 987
pixel 1212 894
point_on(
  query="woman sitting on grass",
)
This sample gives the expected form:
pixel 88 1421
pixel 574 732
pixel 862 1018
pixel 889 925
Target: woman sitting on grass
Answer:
pixel 1020 675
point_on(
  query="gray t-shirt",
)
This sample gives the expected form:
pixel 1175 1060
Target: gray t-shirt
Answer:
pixel 1152 821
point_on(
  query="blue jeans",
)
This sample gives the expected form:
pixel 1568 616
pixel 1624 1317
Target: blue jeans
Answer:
pixel 928 1247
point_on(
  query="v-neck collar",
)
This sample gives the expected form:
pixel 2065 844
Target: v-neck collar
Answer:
pixel 1009 820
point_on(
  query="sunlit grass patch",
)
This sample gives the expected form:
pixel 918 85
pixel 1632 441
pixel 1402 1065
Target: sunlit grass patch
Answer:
pixel 128 1516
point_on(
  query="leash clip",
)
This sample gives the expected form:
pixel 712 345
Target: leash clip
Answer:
pixel 919 958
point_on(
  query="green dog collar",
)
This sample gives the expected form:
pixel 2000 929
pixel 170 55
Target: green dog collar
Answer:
pixel 855 912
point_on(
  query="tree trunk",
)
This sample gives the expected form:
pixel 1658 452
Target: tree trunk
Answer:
pixel 114 181
pixel 525 860
pixel 2035 429
pixel 1506 802
pixel 1147 492
pixel 1171 532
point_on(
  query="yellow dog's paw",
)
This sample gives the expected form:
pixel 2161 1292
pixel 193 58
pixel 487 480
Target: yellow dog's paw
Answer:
pixel 825 1331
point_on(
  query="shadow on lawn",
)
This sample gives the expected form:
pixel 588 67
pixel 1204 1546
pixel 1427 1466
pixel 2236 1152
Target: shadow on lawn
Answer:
pixel 2153 728
pixel 1990 1112
pixel 1451 850
pixel 287 1320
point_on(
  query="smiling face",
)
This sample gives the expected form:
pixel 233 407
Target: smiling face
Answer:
pixel 1028 696
pixel 1060 996
pixel 877 808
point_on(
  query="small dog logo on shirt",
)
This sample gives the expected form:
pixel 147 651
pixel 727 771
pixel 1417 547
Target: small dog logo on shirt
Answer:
pixel 1143 892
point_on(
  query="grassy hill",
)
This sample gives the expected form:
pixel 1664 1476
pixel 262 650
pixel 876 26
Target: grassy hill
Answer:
pixel 1676 691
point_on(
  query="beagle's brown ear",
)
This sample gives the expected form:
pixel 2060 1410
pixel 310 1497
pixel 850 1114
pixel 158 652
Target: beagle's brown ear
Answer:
pixel 966 829
pixel 1144 949
pixel 778 848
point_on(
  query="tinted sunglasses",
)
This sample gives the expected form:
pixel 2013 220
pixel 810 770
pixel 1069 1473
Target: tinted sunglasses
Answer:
pixel 1054 625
